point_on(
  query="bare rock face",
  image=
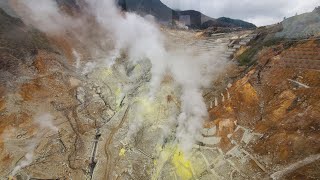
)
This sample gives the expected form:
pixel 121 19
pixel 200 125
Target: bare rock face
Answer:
pixel 275 110
pixel 81 95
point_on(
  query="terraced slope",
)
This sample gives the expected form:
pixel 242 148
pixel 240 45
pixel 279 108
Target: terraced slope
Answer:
pixel 304 56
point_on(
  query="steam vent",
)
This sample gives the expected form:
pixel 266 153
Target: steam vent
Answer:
pixel 159 90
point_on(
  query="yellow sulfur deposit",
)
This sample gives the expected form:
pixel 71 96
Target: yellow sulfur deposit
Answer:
pixel 138 67
pixel 122 152
pixel 119 96
pixel 164 156
pixel 148 107
pixel 108 72
pixel 182 165
pixel 177 159
pixel 118 92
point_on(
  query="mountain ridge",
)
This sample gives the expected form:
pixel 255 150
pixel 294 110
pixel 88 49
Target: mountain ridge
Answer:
pixel 192 18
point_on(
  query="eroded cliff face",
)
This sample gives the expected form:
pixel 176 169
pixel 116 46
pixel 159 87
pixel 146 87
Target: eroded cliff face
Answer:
pixel 277 101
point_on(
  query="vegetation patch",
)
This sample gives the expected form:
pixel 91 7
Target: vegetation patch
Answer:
pixel 247 58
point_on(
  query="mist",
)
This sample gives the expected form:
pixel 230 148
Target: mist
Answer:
pixel 44 15
pixel 44 122
pixel 141 38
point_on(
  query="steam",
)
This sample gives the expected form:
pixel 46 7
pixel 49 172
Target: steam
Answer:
pixel 44 15
pixel 77 58
pixel 142 39
pixel 28 158
pixel 139 36
pixel 136 124
pixel 45 122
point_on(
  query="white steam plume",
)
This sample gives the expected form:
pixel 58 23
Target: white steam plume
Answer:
pixel 45 122
pixel 28 158
pixel 77 58
pixel 142 39
pixel 44 15
pixel 136 123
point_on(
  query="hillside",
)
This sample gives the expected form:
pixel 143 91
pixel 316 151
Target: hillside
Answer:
pixel 301 26
pixel 191 18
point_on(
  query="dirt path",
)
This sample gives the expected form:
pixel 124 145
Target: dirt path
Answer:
pixel 109 141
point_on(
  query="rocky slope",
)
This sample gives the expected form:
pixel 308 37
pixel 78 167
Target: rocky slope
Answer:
pixel 271 114
pixel 60 119
pixel 301 26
